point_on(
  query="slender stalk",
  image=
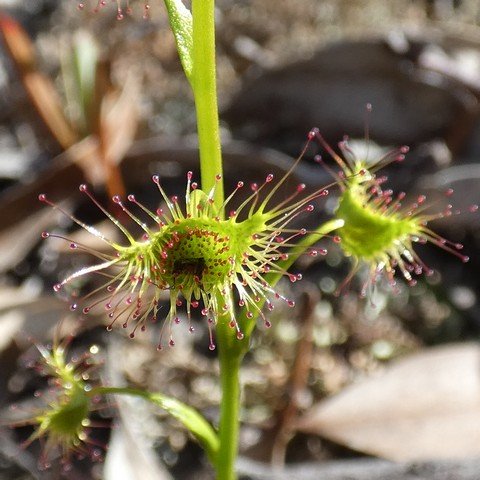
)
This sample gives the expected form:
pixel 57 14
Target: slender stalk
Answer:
pixel 231 351
pixel 230 361
pixel 192 420
pixel 205 92
pixel 248 325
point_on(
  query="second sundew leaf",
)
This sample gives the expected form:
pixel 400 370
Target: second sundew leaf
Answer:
pixel 39 87
pixel 380 229
pixel 181 22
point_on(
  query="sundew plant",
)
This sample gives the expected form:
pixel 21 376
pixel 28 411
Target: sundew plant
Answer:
pixel 222 255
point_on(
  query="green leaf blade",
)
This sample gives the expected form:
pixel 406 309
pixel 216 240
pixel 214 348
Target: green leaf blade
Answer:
pixel 181 22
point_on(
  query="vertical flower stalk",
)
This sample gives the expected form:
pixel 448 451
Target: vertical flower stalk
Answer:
pixel 204 86
pixel 205 92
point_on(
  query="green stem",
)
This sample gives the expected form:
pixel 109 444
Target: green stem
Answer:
pixel 231 351
pixel 205 92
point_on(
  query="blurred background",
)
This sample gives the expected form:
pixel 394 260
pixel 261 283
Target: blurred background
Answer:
pixel 341 387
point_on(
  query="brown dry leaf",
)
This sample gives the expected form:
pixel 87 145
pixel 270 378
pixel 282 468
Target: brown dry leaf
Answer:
pixel 86 155
pixel 25 315
pixel 117 128
pixel 130 458
pixel 423 407
pixel 131 454
pixel 39 87
pixel 21 237
pixel 119 120
pixel 21 213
